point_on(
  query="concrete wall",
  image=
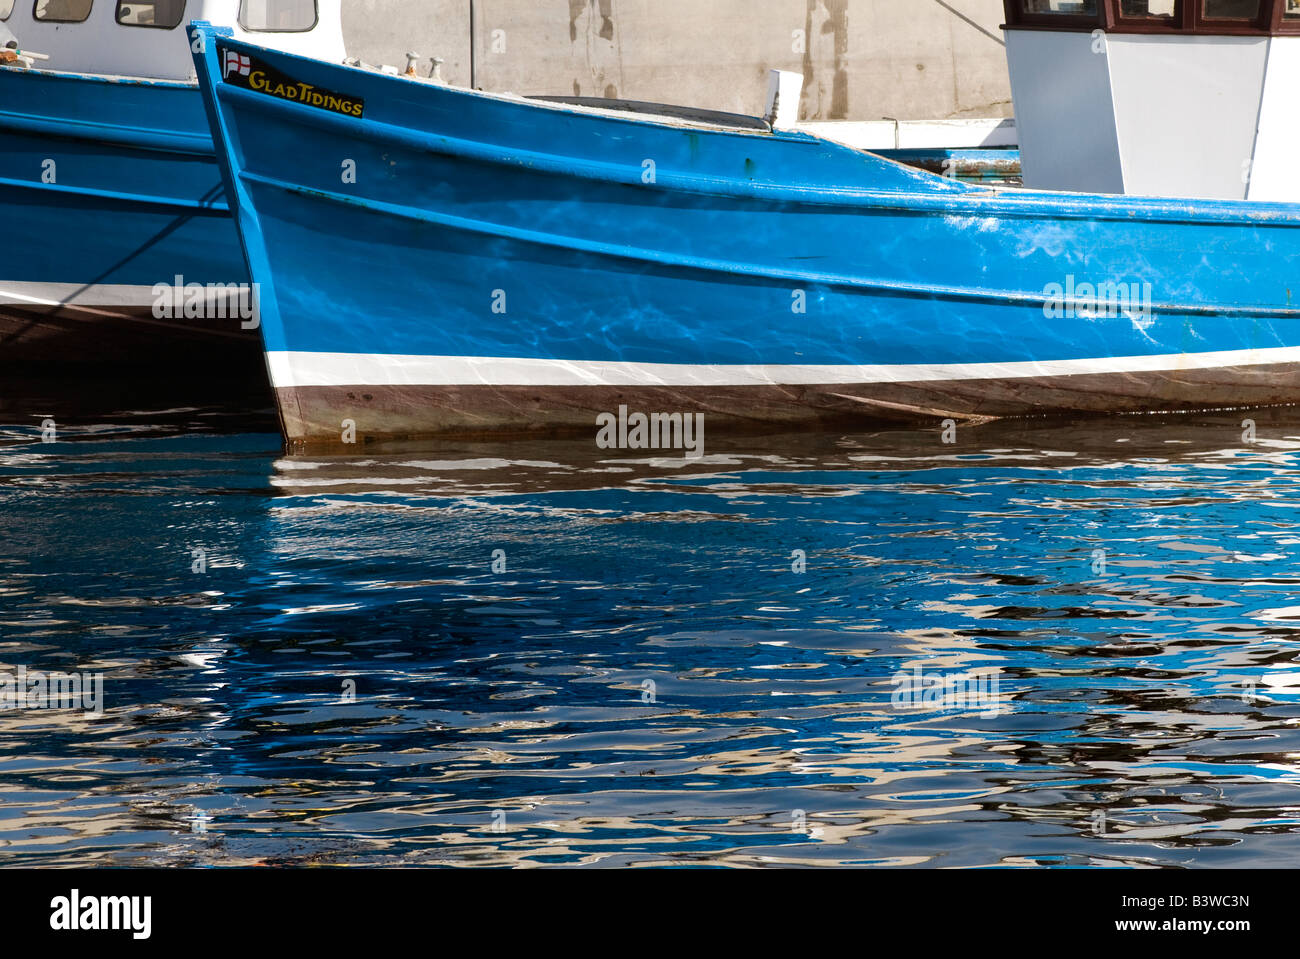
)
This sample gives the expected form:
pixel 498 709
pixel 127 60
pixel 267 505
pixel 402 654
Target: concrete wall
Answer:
pixel 861 59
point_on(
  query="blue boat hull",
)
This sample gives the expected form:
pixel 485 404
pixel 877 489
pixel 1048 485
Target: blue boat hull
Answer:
pixel 109 190
pixel 456 262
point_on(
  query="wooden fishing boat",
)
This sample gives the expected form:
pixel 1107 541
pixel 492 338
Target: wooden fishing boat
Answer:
pixel 439 261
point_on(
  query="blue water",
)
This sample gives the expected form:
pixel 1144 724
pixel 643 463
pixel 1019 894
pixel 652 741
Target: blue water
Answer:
pixel 346 679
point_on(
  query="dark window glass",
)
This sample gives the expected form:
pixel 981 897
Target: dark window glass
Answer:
pixel 1149 9
pixel 1292 11
pixel 277 16
pixel 1076 8
pixel 164 14
pixel 1231 9
pixel 62 11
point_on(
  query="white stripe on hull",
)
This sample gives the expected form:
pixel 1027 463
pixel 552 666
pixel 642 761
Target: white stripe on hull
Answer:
pixel 80 294
pixel 294 369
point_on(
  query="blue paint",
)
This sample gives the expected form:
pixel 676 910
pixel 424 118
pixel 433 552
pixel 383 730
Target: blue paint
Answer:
pixel 137 196
pixel 460 194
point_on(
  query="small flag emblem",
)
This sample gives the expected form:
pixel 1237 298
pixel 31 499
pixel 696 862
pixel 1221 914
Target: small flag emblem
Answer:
pixel 236 63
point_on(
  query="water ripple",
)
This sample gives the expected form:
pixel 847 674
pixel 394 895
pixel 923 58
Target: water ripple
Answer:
pixel 540 653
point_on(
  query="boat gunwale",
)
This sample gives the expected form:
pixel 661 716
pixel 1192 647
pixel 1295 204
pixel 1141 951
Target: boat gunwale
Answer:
pixel 112 79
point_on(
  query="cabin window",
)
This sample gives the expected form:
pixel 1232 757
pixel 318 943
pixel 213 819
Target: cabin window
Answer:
pixel 277 16
pixel 1231 9
pixel 1071 8
pixel 1055 14
pixel 62 11
pixel 1166 10
pixel 163 14
pixel 1196 17
pixel 6 8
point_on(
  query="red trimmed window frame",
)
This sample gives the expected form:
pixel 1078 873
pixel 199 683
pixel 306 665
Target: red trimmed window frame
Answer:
pixel 1282 24
pixel 1180 22
pixel 1017 17
pixel 1188 19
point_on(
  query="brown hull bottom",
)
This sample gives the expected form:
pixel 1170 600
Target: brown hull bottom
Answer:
pixel 127 356
pixel 315 419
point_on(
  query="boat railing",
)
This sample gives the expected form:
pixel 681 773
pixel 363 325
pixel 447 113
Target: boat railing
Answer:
pixel 735 121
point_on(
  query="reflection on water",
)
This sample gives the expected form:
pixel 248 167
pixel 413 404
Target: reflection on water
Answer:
pixel 540 653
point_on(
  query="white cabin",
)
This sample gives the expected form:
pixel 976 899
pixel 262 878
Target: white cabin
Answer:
pixel 1174 98
pixel 146 38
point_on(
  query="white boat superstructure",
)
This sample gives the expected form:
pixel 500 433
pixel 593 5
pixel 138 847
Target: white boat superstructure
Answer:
pixel 121 37
pixel 1185 98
